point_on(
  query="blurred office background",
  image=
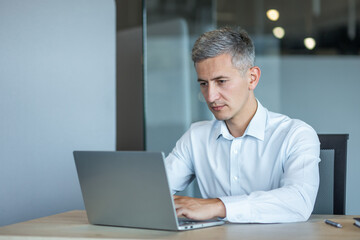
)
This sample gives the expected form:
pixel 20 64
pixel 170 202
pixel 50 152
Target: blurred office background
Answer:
pixel 61 82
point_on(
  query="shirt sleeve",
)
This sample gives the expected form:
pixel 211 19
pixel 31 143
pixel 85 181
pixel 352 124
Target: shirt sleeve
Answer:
pixel 294 200
pixel 179 166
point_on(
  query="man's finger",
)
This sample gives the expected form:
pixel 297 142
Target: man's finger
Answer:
pixel 181 212
pixel 179 197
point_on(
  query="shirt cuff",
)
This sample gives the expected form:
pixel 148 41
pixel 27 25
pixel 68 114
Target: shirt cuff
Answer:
pixel 238 208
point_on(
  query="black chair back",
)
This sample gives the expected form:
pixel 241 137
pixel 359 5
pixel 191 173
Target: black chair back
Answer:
pixel 332 174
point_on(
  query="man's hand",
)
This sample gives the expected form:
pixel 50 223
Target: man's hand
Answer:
pixel 199 209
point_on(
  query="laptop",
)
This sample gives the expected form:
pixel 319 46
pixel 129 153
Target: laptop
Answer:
pixel 129 189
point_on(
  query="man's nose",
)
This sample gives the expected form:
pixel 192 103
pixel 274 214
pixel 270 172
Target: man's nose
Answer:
pixel 212 94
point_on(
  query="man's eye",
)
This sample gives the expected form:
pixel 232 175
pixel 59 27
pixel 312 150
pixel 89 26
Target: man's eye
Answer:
pixel 203 83
pixel 221 81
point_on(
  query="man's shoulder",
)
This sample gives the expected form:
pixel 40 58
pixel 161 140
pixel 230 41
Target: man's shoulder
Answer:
pixel 203 125
pixel 204 129
pixel 289 126
pixel 278 119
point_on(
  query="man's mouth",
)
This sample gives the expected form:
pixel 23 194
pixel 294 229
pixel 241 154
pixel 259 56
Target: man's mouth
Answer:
pixel 217 108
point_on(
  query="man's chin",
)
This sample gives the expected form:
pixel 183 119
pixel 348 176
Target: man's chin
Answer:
pixel 220 117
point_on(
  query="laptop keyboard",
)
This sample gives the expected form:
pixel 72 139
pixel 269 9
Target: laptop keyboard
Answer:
pixel 184 222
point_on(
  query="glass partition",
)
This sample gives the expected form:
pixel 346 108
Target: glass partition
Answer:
pixel 172 94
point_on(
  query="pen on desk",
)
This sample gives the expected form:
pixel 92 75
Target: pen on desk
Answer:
pixel 335 224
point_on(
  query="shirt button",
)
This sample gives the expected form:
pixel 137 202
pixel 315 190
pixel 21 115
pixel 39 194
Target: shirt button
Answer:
pixel 235 151
pixel 236 178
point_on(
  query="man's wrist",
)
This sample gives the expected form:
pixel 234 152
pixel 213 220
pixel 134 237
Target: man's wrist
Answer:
pixel 220 208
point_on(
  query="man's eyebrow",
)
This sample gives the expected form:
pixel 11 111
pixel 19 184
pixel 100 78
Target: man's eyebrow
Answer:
pixel 214 79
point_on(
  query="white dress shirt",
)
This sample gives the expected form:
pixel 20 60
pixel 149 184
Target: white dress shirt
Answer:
pixel 268 175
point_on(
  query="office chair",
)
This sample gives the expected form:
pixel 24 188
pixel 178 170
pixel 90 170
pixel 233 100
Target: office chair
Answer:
pixel 332 190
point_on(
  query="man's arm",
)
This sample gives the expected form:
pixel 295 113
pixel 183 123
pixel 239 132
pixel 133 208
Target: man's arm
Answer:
pixel 179 168
pixel 180 173
pixel 294 200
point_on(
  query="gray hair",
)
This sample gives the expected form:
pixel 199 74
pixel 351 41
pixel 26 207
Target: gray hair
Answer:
pixel 237 43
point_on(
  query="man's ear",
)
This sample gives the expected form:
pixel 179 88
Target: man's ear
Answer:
pixel 255 73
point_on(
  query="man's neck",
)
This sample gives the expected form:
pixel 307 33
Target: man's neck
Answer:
pixel 238 124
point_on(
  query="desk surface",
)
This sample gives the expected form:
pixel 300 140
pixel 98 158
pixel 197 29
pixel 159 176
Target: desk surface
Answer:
pixel 74 225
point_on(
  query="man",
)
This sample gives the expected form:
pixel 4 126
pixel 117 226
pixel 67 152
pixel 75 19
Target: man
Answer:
pixel 252 165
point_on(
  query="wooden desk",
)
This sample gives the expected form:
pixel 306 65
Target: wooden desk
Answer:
pixel 74 225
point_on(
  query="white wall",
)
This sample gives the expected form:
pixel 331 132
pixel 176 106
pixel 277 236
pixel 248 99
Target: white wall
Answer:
pixel 324 92
pixel 57 94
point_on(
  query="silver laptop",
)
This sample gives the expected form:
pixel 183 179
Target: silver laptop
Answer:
pixel 129 189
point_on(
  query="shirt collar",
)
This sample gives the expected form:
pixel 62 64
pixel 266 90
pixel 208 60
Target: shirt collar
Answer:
pixel 256 127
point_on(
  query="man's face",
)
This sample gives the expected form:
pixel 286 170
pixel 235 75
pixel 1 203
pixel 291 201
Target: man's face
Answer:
pixel 225 89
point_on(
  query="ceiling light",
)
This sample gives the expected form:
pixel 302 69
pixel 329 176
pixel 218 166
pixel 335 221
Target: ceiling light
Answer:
pixel 309 43
pixel 279 32
pixel 273 14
